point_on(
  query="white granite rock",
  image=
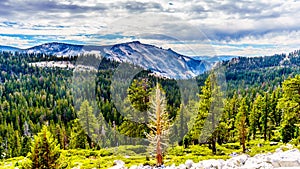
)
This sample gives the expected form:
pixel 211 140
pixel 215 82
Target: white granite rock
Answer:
pixel 134 167
pixel 119 164
pixel 189 163
pixel 236 161
pixel 211 164
pixel 279 159
pixel 181 166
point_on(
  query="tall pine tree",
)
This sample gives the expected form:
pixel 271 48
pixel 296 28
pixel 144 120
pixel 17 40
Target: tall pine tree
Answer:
pixel 45 150
pixel 241 123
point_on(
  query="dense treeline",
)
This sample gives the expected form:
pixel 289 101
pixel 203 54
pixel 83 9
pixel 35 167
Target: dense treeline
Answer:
pixel 31 96
pixel 259 103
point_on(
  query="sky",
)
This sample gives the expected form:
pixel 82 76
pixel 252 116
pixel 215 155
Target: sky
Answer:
pixel 190 27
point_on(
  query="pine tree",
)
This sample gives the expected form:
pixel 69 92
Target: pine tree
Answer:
pixel 210 109
pixel 16 147
pixel 134 122
pixel 274 113
pixel 265 119
pixel 78 138
pixel 88 121
pixel 135 109
pixel 241 123
pixel 26 145
pixel 231 110
pixel 45 150
pixel 255 114
pixel 289 104
pixel 138 94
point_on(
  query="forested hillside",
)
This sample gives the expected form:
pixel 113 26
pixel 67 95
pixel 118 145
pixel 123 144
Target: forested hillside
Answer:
pixel 262 101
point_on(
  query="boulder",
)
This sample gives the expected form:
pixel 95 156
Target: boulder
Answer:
pixel 274 161
pixel 189 163
pixel 197 166
pixel 173 166
pixel 289 163
pixel 118 167
pixel 119 164
pixel 290 158
pixel 134 167
pixel 211 164
pixel 289 146
pixel 137 167
pixel 278 150
pixel 256 162
pixel 236 161
pixel 181 166
pixel 147 167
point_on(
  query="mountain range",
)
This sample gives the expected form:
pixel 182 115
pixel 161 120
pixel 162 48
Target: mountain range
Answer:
pixel 164 62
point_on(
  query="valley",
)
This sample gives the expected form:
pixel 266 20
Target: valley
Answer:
pixel 38 89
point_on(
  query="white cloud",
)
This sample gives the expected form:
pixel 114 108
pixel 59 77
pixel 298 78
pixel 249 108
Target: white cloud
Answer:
pixel 13 41
pixel 227 24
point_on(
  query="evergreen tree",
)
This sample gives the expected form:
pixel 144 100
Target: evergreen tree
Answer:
pixel 210 109
pixel 26 145
pixel 138 94
pixel 289 104
pixel 45 150
pixel 78 137
pixel 88 121
pixel 255 115
pixel 275 114
pixel 231 110
pixel 16 147
pixel 241 123
pixel 265 118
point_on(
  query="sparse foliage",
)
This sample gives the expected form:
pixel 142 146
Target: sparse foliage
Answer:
pixel 159 124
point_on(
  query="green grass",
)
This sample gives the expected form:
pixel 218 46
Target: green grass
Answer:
pixel 136 155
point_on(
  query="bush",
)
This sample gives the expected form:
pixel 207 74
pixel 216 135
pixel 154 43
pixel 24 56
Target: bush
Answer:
pixel 176 151
pixel 138 149
pixel 25 163
pixel 105 152
pixel 233 146
pixel 200 150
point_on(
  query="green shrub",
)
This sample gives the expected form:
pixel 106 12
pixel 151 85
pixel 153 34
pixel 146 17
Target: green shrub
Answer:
pixel 176 151
pixel 200 150
pixel 234 146
pixel 105 152
pixel 138 149
pixel 25 163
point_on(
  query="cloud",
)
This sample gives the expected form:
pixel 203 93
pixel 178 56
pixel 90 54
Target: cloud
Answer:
pixel 227 26
pixel 138 7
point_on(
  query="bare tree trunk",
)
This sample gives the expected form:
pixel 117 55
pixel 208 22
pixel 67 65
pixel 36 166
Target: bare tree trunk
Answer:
pixel 158 128
pixel 158 153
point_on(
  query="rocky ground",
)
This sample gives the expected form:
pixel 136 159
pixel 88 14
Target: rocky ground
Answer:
pixel 280 159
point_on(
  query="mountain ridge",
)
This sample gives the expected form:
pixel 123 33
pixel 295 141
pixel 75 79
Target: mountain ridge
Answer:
pixel 164 62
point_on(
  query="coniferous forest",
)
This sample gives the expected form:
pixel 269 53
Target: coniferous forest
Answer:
pixel 44 123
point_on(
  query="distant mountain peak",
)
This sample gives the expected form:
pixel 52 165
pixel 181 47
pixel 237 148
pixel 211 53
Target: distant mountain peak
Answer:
pixel 163 62
pixel 56 48
pixel 137 42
